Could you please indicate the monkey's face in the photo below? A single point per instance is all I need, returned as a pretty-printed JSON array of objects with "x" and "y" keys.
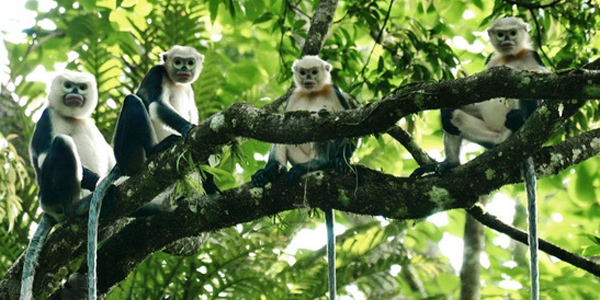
[
  {"x": 308, "y": 78},
  {"x": 311, "y": 73},
  {"x": 184, "y": 68},
  {"x": 506, "y": 41},
  {"x": 75, "y": 93}
]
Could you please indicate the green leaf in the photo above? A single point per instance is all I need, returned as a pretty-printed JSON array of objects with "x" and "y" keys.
[{"x": 263, "y": 18}]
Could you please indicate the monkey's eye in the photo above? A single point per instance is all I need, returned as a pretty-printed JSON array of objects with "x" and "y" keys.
[
  {"x": 177, "y": 63},
  {"x": 314, "y": 72},
  {"x": 68, "y": 85},
  {"x": 500, "y": 34},
  {"x": 83, "y": 87},
  {"x": 302, "y": 72},
  {"x": 191, "y": 62},
  {"x": 513, "y": 33}
]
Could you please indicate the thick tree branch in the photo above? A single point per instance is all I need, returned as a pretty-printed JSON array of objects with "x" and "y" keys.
[{"x": 319, "y": 27}]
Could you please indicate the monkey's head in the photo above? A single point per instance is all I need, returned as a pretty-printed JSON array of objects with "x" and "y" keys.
[
  {"x": 73, "y": 94},
  {"x": 311, "y": 73},
  {"x": 509, "y": 36},
  {"x": 183, "y": 64}
]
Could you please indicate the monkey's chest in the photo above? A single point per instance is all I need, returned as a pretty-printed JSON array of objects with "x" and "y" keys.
[
  {"x": 92, "y": 148},
  {"x": 302, "y": 153},
  {"x": 182, "y": 102}
]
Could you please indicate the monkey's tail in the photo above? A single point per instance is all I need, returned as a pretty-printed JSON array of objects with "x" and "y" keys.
[
  {"x": 94, "y": 216},
  {"x": 33, "y": 251},
  {"x": 329, "y": 220},
  {"x": 530, "y": 183}
]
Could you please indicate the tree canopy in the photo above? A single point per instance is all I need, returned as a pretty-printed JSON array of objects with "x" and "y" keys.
[{"x": 398, "y": 237}]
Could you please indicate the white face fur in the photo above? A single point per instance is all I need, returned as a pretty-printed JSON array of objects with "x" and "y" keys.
[
  {"x": 73, "y": 94},
  {"x": 183, "y": 64},
  {"x": 311, "y": 73},
  {"x": 509, "y": 36}
]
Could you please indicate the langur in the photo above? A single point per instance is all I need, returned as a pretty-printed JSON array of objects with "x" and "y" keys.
[
  {"x": 69, "y": 155},
  {"x": 492, "y": 122},
  {"x": 313, "y": 92},
  {"x": 161, "y": 112}
]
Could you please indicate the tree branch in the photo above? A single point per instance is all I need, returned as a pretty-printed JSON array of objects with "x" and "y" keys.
[
  {"x": 491, "y": 221},
  {"x": 533, "y": 5}
]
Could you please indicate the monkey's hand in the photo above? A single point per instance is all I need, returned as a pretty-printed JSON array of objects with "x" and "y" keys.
[
  {"x": 296, "y": 171},
  {"x": 434, "y": 168},
  {"x": 74, "y": 288},
  {"x": 268, "y": 174},
  {"x": 185, "y": 131}
]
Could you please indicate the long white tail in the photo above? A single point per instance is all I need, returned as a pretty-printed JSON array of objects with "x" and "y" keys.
[{"x": 31, "y": 256}]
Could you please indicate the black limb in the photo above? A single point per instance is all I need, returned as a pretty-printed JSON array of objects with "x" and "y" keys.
[
  {"x": 298, "y": 170},
  {"x": 341, "y": 151},
  {"x": 75, "y": 287},
  {"x": 134, "y": 138},
  {"x": 268, "y": 174},
  {"x": 90, "y": 179},
  {"x": 514, "y": 120},
  {"x": 59, "y": 185},
  {"x": 433, "y": 168},
  {"x": 447, "y": 122},
  {"x": 209, "y": 185},
  {"x": 329, "y": 221},
  {"x": 163, "y": 145}
]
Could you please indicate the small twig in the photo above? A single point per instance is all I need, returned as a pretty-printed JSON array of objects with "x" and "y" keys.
[
  {"x": 538, "y": 29},
  {"x": 377, "y": 41},
  {"x": 411, "y": 146},
  {"x": 532, "y": 5}
]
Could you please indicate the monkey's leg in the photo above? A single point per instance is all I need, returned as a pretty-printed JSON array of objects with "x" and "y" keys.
[
  {"x": 60, "y": 178},
  {"x": 31, "y": 256},
  {"x": 530, "y": 183},
  {"x": 452, "y": 145},
  {"x": 134, "y": 139},
  {"x": 274, "y": 167},
  {"x": 329, "y": 221},
  {"x": 475, "y": 129}
]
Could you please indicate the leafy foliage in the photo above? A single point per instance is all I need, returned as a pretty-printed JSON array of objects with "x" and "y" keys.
[{"x": 375, "y": 46}]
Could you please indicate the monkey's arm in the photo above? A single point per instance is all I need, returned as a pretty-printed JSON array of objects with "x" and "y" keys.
[
  {"x": 151, "y": 92},
  {"x": 41, "y": 140},
  {"x": 273, "y": 167}
]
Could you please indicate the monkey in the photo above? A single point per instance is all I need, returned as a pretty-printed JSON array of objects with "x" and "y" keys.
[
  {"x": 313, "y": 92},
  {"x": 69, "y": 155},
  {"x": 162, "y": 111},
  {"x": 491, "y": 122}
]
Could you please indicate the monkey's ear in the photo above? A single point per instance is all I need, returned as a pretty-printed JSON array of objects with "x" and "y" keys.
[
  {"x": 327, "y": 66},
  {"x": 295, "y": 65},
  {"x": 201, "y": 57},
  {"x": 164, "y": 57}
]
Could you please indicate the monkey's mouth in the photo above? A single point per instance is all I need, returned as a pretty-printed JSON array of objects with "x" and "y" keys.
[
  {"x": 309, "y": 84},
  {"x": 508, "y": 45},
  {"x": 183, "y": 76},
  {"x": 73, "y": 100}
]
